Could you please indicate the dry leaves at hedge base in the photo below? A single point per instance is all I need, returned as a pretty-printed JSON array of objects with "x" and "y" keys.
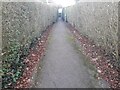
[{"x": 96, "y": 54}]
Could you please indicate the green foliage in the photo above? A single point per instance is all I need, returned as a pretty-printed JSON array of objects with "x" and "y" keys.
[{"x": 12, "y": 65}]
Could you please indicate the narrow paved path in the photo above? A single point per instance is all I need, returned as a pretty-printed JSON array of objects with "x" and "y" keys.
[{"x": 62, "y": 66}]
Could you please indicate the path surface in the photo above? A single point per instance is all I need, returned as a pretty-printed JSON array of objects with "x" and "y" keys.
[{"x": 62, "y": 66}]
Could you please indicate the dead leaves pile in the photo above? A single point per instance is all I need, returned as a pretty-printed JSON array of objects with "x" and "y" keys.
[
  {"x": 105, "y": 68},
  {"x": 31, "y": 61}
]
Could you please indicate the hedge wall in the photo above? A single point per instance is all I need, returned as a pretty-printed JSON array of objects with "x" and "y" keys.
[{"x": 22, "y": 24}]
